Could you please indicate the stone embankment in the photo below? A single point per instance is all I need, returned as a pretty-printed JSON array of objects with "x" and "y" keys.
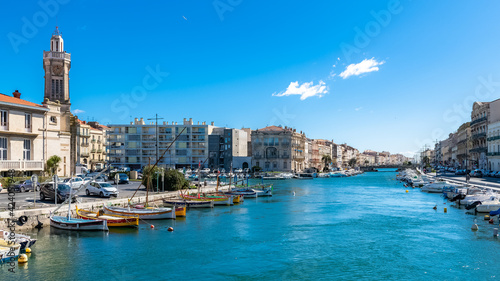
[{"x": 43, "y": 214}]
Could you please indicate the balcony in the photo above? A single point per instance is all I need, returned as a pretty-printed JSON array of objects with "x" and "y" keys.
[
  {"x": 494, "y": 154},
  {"x": 17, "y": 165},
  {"x": 93, "y": 141},
  {"x": 99, "y": 151},
  {"x": 93, "y": 151},
  {"x": 84, "y": 154},
  {"x": 494, "y": 138},
  {"x": 478, "y": 136},
  {"x": 479, "y": 150},
  {"x": 56, "y": 55},
  {"x": 98, "y": 141},
  {"x": 86, "y": 144},
  {"x": 479, "y": 120}
]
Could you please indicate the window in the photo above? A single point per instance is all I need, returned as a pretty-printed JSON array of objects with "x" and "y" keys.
[
  {"x": 53, "y": 119},
  {"x": 3, "y": 117},
  {"x": 27, "y": 150},
  {"x": 284, "y": 165},
  {"x": 27, "y": 121},
  {"x": 3, "y": 148}
]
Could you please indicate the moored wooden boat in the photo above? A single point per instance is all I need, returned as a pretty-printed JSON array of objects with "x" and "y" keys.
[
  {"x": 188, "y": 203},
  {"x": 112, "y": 220},
  {"x": 180, "y": 211},
  {"x": 78, "y": 224},
  {"x": 144, "y": 213},
  {"x": 218, "y": 200},
  {"x": 245, "y": 193}
]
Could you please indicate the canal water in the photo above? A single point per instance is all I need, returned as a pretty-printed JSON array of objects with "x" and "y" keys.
[{"x": 364, "y": 227}]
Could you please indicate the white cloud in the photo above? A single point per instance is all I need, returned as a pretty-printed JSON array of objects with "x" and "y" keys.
[
  {"x": 367, "y": 65},
  {"x": 78, "y": 111},
  {"x": 305, "y": 90},
  {"x": 184, "y": 17},
  {"x": 358, "y": 108}
]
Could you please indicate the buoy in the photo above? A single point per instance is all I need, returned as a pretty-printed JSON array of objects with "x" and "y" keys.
[
  {"x": 435, "y": 207},
  {"x": 407, "y": 191},
  {"x": 495, "y": 232},
  {"x": 152, "y": 226},
  {"x": 491, "y": 221},
  {"x": 23, "y": 258},
  {"x": 445, "y": 210},
  {"x": 294, "y": 193},
  {"x": 170, "y": 229},
  {"x": 474, "y": 227},
  {"x": 28, "y": 250},
  {"x": 486, "y": 217}
]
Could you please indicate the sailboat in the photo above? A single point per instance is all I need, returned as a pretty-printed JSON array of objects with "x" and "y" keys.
[{"x": 69, "y": 223}]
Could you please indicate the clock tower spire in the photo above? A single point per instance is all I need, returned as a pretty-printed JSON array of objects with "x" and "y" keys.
[{"x": 57, "y": 64}]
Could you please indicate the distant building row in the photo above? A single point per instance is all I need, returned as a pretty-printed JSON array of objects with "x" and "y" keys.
[{"x": 475, "y": 144}]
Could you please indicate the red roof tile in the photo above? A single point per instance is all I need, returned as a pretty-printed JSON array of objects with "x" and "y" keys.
[{"x": 11, "y": 99}]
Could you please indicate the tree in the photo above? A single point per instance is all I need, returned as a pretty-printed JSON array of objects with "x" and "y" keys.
[
  {"x": 174, "y": 180},
  {"x": 52, "y": 164},
  {"x": 352, "y": 162},
  {"x": 327, "y": 159}
]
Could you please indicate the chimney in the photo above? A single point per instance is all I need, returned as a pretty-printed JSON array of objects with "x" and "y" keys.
[
  {"x": 175, "y": 123},
  {"x": 131, "y": 123},
  {"x": 212, "y": 123},
  {"x": 203, "y": 123},
  {"x": 164, "y": 123},
  {"x": 16, "y": 94}
]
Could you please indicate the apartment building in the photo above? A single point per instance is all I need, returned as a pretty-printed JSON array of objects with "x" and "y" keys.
[{"x": 139, "y": 143}]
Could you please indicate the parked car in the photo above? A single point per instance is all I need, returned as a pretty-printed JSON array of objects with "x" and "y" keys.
[
  {"x": 123, "y": 178},
  {"x": 25, "y": 186},
  {"x": 63, "y": 192},
  {"x": 496, "y": 174},
  {"x": 476, "y": 173},
  {"x": 103, "y": 189},
  {"x": 1, "y": 187},
  {"x": 460, "y": 172},
  {"x": 101, "y": 178},
  {"x": 74, "y": 182}
]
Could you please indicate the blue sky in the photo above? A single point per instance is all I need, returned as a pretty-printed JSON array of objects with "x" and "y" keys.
[{"x": 380, "y": 75}]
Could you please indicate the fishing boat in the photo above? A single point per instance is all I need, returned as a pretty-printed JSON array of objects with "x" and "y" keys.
[
  {"x": 112, "y": 220},
  {"x": 218, "y": 200},
  {"x": 260, "y": 190},
  {"x": 24, "y": 240},
  {"x": 8, "y": 250},
  {"x": 143, "y": 213},
  {"x": 188, "y": 203},
  {"x": 180, "y": 211},
  {"x": 68, "y": 223},
  {"x": 250, "y": 193}
]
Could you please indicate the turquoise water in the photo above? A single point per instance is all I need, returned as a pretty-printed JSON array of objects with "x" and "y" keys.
[{"x": 364, "y": 227}]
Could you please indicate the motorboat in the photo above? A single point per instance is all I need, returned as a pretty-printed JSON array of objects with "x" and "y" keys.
[
  {"x": 8, "y": 250},
  {"x": 24, "y": 240}
]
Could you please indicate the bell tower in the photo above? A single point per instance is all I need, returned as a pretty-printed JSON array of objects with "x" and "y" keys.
[{"x": 57, "y": 64}]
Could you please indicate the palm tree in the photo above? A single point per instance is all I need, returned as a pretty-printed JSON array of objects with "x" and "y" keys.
[
  {"x": 352, "y": 162},
  {"x": 53, "y": 164},
  {"x": 326, "y": 160}
]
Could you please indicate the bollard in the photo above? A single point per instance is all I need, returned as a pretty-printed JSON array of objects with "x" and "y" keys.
[{"x": 445, "y": 210}]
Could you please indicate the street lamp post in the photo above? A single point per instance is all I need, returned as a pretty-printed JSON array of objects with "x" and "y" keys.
[{"x": 34, "y": 182}]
